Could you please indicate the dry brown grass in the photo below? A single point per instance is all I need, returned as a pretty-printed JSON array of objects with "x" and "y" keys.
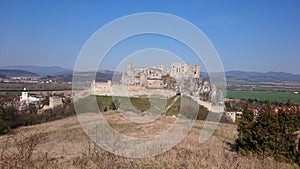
[{"x": 63, "y": 144}]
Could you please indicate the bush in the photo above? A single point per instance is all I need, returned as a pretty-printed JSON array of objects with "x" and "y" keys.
[
  {"x": 203, "y": 113},
  {"x": 270, "y": 133},
  {"x": 114, "y": 105}
]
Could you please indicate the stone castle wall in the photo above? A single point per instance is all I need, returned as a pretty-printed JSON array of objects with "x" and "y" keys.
[
  {"x": 109, "y": 89},
  {"x": 180, "y": 70},
  {"x": 154, "y": 77}
]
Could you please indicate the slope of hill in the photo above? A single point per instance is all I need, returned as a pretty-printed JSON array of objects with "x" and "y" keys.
[
  {"x": 64, "y": 144},
  {"x": 17, "y": 73},
  {"x": 40, "y": 70}
]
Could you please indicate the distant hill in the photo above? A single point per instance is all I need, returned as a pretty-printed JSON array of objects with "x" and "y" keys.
[
  {"x": 101, "y": 76},
  {"x": 2, "y": 75},
  {"x": 257, "y": 77},
  {"x": 233, "y": 77},
  {"x": 66, "y": 75},
  {"x": 107, "y": 72},
  {"x": 243, "y": 77},
  {"x": 40, "y": 70},
  {"x": 17, "y": 73}
]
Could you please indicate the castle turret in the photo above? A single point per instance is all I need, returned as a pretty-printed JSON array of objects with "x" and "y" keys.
[{"x": 129, "y": 70}]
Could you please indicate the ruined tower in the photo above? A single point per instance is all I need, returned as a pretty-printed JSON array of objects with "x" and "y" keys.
[
  {"x": 129, "y": 69},
  {"x": 181, "y": 70}
]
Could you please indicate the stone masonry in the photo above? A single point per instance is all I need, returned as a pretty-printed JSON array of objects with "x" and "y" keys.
[{"x": 156, "y": 77}]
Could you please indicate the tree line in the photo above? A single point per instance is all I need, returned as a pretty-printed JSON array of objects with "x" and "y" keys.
[{"x": 11, "y": 117}]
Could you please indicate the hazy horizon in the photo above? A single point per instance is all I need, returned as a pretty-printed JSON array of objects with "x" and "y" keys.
[{"x": 124, "y": 71}]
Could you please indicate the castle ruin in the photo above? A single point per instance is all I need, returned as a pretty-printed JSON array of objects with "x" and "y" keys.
[
  {"x": 157, "y": 76},
  {"x": 157, "y": 80}
]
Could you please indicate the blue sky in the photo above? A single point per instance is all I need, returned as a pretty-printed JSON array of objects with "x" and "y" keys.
[{"x": 248, "y": 35}]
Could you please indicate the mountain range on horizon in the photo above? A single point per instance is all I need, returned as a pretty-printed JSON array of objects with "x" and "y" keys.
[
  {"x": 243, "y": 77},
  {"x": 39, "y": 70}
]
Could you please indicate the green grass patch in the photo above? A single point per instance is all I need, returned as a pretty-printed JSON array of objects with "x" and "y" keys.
[
  {"x": 171, "y": 106},
  {"x": 170, "y": 100},
  {"x": 175, "y": 108},
  {"x": 141, "y": 104},
  {"x": 10, "y": 93}
]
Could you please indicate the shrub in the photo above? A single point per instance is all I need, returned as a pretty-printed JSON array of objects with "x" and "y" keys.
[
  {"x": 114, "y": 105},
  {"x": 270, "y": 133}
]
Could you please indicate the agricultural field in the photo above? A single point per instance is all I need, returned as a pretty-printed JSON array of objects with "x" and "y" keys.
[
  {"x": 272, "y": 96},
  {"x": 6, "y": 87}
]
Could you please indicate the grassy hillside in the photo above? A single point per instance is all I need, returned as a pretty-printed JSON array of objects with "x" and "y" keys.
[
  {"x": 63, "y": 144},
  {"x": 169, "y": 106},
  {"x": 141, "y": 104}
]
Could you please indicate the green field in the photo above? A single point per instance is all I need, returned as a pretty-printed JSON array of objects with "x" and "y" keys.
[
  {"x": 141, "y": 104},
  {"x": 272, "y": 96}
]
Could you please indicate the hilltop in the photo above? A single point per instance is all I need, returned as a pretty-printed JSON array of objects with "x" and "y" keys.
[
  {"x": 16, "y": 73},
  {"x": 258, "y": 77},
  {"x": 245, "y": 77}
]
